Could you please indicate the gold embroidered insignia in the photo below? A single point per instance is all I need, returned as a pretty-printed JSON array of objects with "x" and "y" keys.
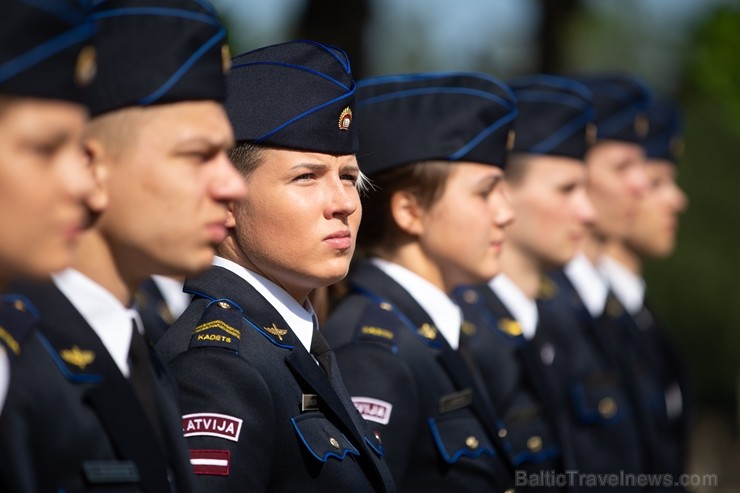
[
  {"x": 345, "y": 119},
  {"x": 510, "y": 140},
  {"x": 427, "y": 331},
  {"x": 510, "y": 327},
  {"x": 591, "y": 133},
  {"x": 377, "y": 331},
  {"x": 87, "y": 66},
  {"x": 642, "y": 125},
  {"x": 218, "y": 324},
  {"x": 547, "y": 289},
  {"x": 225, "y": 59},
  {"x": 468, "y": 328},
  {"x": 279, "y": 333},
  {"x": 10, "y": 341},
  {"x": 77, "y": 357}
]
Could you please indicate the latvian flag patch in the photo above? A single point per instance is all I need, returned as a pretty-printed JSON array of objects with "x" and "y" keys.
[{"x": 210, "y": 462}]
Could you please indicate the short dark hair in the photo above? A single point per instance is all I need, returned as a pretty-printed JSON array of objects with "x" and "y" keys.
[
  {"x": 379, "y": 232},
  {"x": 246, "y": 157}
]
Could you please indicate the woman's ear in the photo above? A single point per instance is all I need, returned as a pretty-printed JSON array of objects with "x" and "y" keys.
[{"x": 407, "y": 212}]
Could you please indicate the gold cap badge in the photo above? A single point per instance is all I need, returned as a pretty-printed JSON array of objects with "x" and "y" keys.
[
  {"x": 591, "y": 133},
  {"x": 225, "y": 59},
  {"x": 511, "y": 140},
  {"x": 642, "y": 125},
  {"x": 345, "y": 119},
  {"x": 87, "y": 66}
]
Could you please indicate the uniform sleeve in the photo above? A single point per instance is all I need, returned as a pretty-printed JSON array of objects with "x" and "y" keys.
[
  {"x": 384, "y": 392},
  {"x": 227, "y": 420}
]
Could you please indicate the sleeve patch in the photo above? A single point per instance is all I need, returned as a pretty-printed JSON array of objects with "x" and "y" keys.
[
  {"x": 210, "y": 462},
  {"x": 373, "y": 409},
  {"x": 212, "y": 424}
]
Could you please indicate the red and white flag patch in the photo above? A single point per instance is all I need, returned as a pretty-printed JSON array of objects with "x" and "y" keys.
[
  {"x": 210, "y": 462},
  {"x": 212, "y": 424},
  {"x": 373, "y": 409}
]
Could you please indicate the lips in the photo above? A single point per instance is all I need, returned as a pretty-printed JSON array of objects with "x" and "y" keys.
[
  {"x": 217, "y": 232},
  {"x": 340, "y": 240}
]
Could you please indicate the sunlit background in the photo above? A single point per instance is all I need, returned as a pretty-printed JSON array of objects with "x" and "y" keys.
[{"x": 687, "y": 49}]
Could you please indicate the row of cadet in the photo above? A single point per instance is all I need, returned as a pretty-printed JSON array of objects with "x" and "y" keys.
[{"x": 489, "y": 333}]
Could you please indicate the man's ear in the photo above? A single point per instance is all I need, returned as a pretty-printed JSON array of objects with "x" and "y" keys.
[
  {"x": 97, "y": 199},
  {"x": 407, "y": 212},
  {"x": 230, "y": 215}
]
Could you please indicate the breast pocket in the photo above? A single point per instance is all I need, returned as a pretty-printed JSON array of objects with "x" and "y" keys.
[
  {"x": 599, "y": 399},
  {"x": 460, "y": 435},
  {"x": 321, "y": 438}
]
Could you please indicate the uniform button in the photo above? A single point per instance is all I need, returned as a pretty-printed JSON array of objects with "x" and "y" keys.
[
  {"x": 386, "y": 306},
  {"x": 510, "y": 490},
  {"x": 471, "y": 442},
  {"x": 470, "y": 296},
  {"x": 502, "y": 433},
  {"x": 224, "y": 305},
  {"x": 547, "y": 354},
  {"x": 607, "y": 407},
  {"x": 334, "y": 443},
  {"x": 534, "y": 443},
  {"x": 377, "y": 437},
  {"x": 18, "y": 304}
]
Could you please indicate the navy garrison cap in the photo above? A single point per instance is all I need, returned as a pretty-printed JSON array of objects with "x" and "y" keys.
[
  {"x": 297, "y": 95},
  {"x": 556, "y": 116},
  {"x": 46, "y": 49},
  {"x": 157, "y": 52},
  {"x": 621, "y": 104},
  {"x": 435, "y": 116},
  {"x": 665, "y": 138}
]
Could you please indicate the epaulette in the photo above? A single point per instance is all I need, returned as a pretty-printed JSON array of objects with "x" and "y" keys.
[
  {"x": 218, "y": 326},
  {"x": 385, "y": 324},
  {"x": 18, "y": 318}
]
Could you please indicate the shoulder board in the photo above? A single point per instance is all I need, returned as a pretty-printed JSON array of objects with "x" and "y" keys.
[
  {"x": 18, "y": 318},
  {"x": 379, "y": 326},
  {"x": 218, "y": 326}
]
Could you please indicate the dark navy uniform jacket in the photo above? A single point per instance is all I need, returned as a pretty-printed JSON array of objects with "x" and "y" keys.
[
  {"x": 73, "y": 423},
  {"x": 518, "y": 384},
  {"x": 439, "y": 432},
  {"x": 660, "y": 374},
  {"x": 259, "y": 413},
  {"x": 607, "y": 431},
  {"x": 18, "y": 319}
]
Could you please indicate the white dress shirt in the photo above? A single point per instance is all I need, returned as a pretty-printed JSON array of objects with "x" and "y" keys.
[
  {"x": 590, "y": 284},
  {"x": 4, "y": 376},
  {"x": 522, "y": 308},
  {"x": 300, "y": 318},
  {"x": 107, "y": 316},
  {"x": 445, "y": 314},
  {"x": 177, "y": 300},
  {"x": 628, "y": 287}
]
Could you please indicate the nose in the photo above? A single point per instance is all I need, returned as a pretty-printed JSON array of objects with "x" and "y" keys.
[
  {"x": 76, "y": 176},
  {"x": 584, "y": 208},
  {"x": 228, "y": 183},
  {"x": 343, "y": 199},
  {"x": 503, "y": 212},
  {"x": 680, "y": 200}
]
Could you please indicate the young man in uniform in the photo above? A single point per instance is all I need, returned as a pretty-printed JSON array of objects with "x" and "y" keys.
[
  {"x": 44, "y": 178},
  {"x": 657, "y": 365},
  {"x": 91, "y": 408}
]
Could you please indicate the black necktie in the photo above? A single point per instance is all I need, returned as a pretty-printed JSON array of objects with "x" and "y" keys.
[
  {"x": 320, "y": 350},
  {"x": 142, "y": 379}
]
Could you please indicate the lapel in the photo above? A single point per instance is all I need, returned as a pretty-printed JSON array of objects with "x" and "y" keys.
[
  {"x": 260, "y": 315},
  {"x": 72, "y": 343}
]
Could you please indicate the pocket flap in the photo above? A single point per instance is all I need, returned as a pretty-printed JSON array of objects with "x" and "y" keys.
[
  {"x": 460, "y": 436},
  {"x": 322, "y": 439}
]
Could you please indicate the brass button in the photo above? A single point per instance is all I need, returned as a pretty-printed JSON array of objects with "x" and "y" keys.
[
  {"x": 534, "y": 443},
  {"x": 377, "y": 437},
  {"x": 224, "y": 305},
  {"x": 502, "y": 433},
  {"x": 471, "y": 442},
  {"x": 510, "y": 490},
  {"x": 470, "y": 296},
  {"x": 607, "y": 407},
  {"x": 18, "y": 304},
  {"x": 386, "y": 306},
  {"x": 334, "y": 443}
]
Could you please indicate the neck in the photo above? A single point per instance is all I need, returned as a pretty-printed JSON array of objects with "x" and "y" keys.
[
  {"x": 413, "y": 258},
  {"x": 628, "y": 258},
  {"x": 94, "y": 258},
  {"x": 593, "y": 247},
  {"x": 522, "y": 269}
]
